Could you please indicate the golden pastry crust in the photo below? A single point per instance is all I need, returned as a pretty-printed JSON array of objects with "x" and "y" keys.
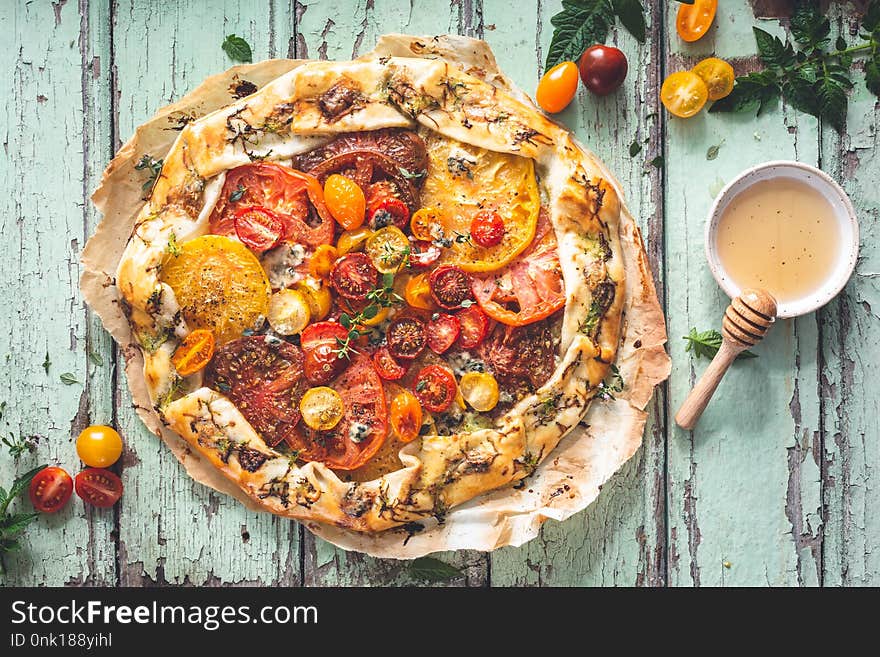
[{"x": 296, "y": 112}]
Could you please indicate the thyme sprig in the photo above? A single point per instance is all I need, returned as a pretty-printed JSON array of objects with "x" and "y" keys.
[{"x": 382, "y": 296}]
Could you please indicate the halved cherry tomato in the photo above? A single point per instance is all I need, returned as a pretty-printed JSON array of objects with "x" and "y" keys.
[
  {"x": 694, "y": 20},
  {"x": 406, "y": 337},
  {"x": 289, "y": 312},
  {"x": 718, "y": 76},
  {"x": 487, "y": 228},
  {"x": 320, "y": 345},
  {"x": 322, "y": 333},
  {"x": 435, "y": 388},
  {"x": 321, "y": 262},
  {"x": 388, "y": 249},
  {"x": 354, "y": 276},
  {"x": 557, "y": 87},
  {"x": 450, "y": 287},
  {"x": 474, "y": 327},
  {"x": 443, "y": 331},
  {"x": 422, "y": 223},
  {"x": 99, "y": 446},
  {"x": 317, "y": 295},
  {"x": 321, "y": 408},
  {"x": 98, "y": 487},
  {"x": 345, "y": 200},
  {"x": 384, "y": 208},
  {"x": 423, "y": 253},
  {"x": 191, "y": 355},
  {"x": 388, "y": 367},
  {"x": 286, "y": 192},
  {"x": 684, "y": 93},
  {"x": 50, "y": 489},
  {"x": 418, "y": 292},
  {"x": 258, "y": 228},
  {"x": 353, "y": 240},
  {"x": 480, "y": 390},
  {"x": 406, "y": 416},
  {"x": 603, "y": 69}
]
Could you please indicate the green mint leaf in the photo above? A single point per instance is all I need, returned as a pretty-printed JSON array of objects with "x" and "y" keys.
[
  {"x": 808, "y": 27},
  {"x": 635, "y": 148},
  {"x": 68, "y": 379},
  {"x": 430, "y": 569},
  {"x": 47, "y": 363},
  {"x": 237, "y": 48},
  {"x": 774, "y": 53},
  {"x": 632, "y": 17},
  {"x": 580, "y": 24}
]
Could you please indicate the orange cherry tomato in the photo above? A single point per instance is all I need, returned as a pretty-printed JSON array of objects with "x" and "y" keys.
[
  {"x": 321, "y": 262},
  {"x": 693, "y": 21},
  {"x": 418, "y": 292},
  {"x": 345, "y": 200},
  {"x": 406, "y": 416},
  {"x": 557, "y": 87},
  {"x": 684, "y": 93},
  {"x": 718, "y": 76},
  {"x": 194, "y": 352}
]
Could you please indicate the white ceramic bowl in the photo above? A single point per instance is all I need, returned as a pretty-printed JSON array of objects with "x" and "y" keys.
[{"x": 843, "y": 212}]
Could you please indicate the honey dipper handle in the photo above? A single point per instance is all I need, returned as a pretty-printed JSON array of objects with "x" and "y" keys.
[{"x": 696, "y": 403}]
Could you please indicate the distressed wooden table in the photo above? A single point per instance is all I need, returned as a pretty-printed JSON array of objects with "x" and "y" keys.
[{"x": 777, "y": 485}]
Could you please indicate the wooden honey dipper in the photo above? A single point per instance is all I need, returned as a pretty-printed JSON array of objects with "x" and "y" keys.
[{"x": 746, "y": 321}]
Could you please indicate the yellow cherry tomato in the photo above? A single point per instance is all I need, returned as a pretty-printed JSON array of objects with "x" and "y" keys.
[
  {"x": 694, "y": 20},
  {"x": 424, "y": 222},
  {"x": 480, "y": 390},
  {"x": 557, "y": 87},
  {"x": 388, "y": 248},
  {"x": 684, "y": 93},
  {"x": 196, "y": 350},
  {"x": 406, "y": 416},
  {"x": 99, "y": 446},
  {"x": 322, "y": 261},
  {"x": 345, "y": 200},
  {"x": 318, "y": 297},
  {"x": 352, "y": 240},
  {"x": 321, "y": 408},
  {"x": 718, "y": 76},
  {"x": 289, "y": 312},
  {"x": 418, "y": 292}
]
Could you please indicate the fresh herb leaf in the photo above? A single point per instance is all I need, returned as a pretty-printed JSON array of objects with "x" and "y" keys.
[
  {"x": 753, "y": 91},
  {"x": 580, "y": 24},
  {"x": 412, "y": 175},
  {"x": 657, "y": 161},
  {"x": 430, "y": 569},
  {"x": 706, "y": 344},
  {"x": 151, "y": 165},
  {"x": 237, "y": 193},
  {"x": 47, "y": 363},
  {"x": 635, "y": 148},
  {"x": 712, "y": 153},
  {"x": 12, "y": 525},
  {"x": 774, "y": 53},
  {"x": 68, "y": 379},
  {"x": 173, "y": 248},
  {"x": 20, "y": 444},
  {"x": 237, "y": 48},
  {"x": 632, "y": 17},
  {"x": 96, "y": 358},
  {"x": 612, "y": 384},
  {"x": 809, "y": 28}
]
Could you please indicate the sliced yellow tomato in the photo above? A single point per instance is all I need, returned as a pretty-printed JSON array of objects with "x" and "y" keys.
[
  {"x": 193, "y": 353},
  {"x": 321, "y": 408},
  {"x": 387, "y": 249},
  {"x": 464, "y": 180},
  {"x": 418, "y": 292},
  {"x": 718, "y": 76},
  {"x": 219, "y": 284},
  {"x": 352, "y": 240},
  {"x": 684, "y": 93},
  {"x": 322, "y": 261},
  {"x": 318, "y": 296},
  {"x": 423, "y": 222},
  {"x": 289, "y": 312},
  {"x": 480, "y": 390}
]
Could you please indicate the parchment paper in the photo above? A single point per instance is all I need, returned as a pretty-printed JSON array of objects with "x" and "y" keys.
[{"x": 566, "y": 482}]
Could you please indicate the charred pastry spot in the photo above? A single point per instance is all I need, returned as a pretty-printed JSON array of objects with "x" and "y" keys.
[
  {"x": 251, "y": 459},
  {"x": 241, "y": 88},
  {"x": 355, "y": 503},
  {"x": 530, "y": 136},
  {"x": 340, "y": 99},
  {"x": 411, "y": 529},
  {"x": 603, "y": 294},
  {"x": 279, "y": 119}
]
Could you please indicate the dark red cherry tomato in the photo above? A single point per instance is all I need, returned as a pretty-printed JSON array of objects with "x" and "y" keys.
[
  {"x": 487, "y": 228},
  {"x": 354, "y": 276},
  {"x": 406, "y": 337},
  {"x": 435, "y": 388},
  {"x": 603, "y": 69},
  {"x": 388, "y": 367},
  {"x": 450, "y": 286}
]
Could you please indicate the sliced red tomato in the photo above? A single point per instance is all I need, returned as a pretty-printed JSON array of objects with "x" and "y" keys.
[
  {"x": 406, "y": 337},
  {"x": 354, "y": 275},
  {"x": 435, "y": 388},
  {"x": 534, "y": 283},
  {"x": 384, "y": 207},
  {"x": 290, "y": 194},
  {"x": 423, "y": 253},
  {"x": 450, "y": 286},
  {"x": 388, "y": 367},
  {"x": 257, "y": 227},
  {"x": 443, "y": 331},
  {"x": 50, "y": 489},
  {"x": 98, "y": 487},
  {"x": 264, "y": 379},
  {"x": 320, "y": 344},
  {"x": 487, "y": 228},
  {"x": 363, "y": 428},
  {"x": 474, "y": 327},
  {"x": 322, "y": 333}
]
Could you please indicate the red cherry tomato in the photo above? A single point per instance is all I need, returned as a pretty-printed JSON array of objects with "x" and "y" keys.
[
  {"x": 258, "y": 228},
  {"x": 388, "y": 367},
  {"x": 98, "y": 487},
  {"x": 474, "y": 326},
  {"x": 487, "y": 228},
  {"x": 603, "y": 69},
  {"x": 354, "y": 276},
  {"x": 50, "y": 489},
  {"x": 450, "y": 287},
  {"x": 384, "y": 208},
  {"x": 443, "y": 331},
  {"x": 323, "y": 364},
  {"x": 435, "y": 388},
  {"x": 423, "y": 253},
  {"x": 406, "y": 337},
  {"x": 557, "y": 87}
]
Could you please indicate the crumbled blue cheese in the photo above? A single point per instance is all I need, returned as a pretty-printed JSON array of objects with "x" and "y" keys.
[
  {"x": 281, "y": 264},
  {"x": 358, "y": 432},
  {"x": 465, "y": 361}
]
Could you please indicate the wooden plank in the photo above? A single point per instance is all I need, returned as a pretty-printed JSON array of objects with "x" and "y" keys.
[
  {"x": 850, "y": 335},
  {"x": 620, "y": 539},
  {"x": 323, "y": 32},
  {"x": 54, "y": 129},
  {"x": 744, "y": 488},
  {"x": 173, "y": 530}
]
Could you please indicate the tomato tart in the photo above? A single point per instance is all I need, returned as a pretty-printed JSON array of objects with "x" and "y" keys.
[{"x": 372, "y": 291}]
